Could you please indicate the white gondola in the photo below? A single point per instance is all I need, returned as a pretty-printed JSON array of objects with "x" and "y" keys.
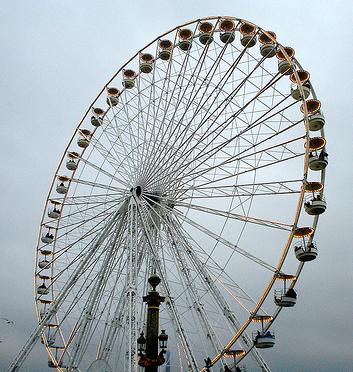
[
  {"x": 268, "y": 50},
  {"x": 47, "y": 238},
  {"x": 54, "y": 213},
  {"x": 44, "y": 264},
  {"x": 42, "y": 290},
  {"x": 129, "y": 77},
  {"x": 185, "y": 39},
  {"x": 248, "y": 37},
  {"x": 112, "y": 101},
  {"x": 206, "y": 29},
  {"x": 54, "y": 210},
  {"x": 166, "y": 47},
  {"x": 72, "y": 162},
  {"x": 298, "y": 78},
  {"x": 316, "y": 121},
  {"x": 264, "y": 340},
  {"x": 97, "y": 113},
  {"x": 285, "y": 67},
  {"x": 227, "y": 28},
  {"x": 45, "y": 251},
  {"x": 305, "y": 253},
  {"x": 315, "y": 205},
  {"x": 295, "y": 91},
  {"x": 84, "y": 138},
  {"x": 146, "y": 63},
  {"x": 268, "y": 46},
  {"x": 62, "y": 187},
  {"x": 285, "y": 298},
  {"x": 318, "y": 162}
]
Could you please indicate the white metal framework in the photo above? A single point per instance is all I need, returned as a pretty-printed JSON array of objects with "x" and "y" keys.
[{"x": 192, "y": 162}]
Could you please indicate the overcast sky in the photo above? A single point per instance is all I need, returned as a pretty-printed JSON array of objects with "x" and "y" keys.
[{"x": 56, "y": 56}]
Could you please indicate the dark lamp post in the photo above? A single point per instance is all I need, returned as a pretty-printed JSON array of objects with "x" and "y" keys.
[
  {"x": 150, "y": 357},
  {"x": 141, "y": 341}
]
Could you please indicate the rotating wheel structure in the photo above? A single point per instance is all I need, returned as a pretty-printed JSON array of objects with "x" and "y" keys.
[{"x": 192, "y": 163}]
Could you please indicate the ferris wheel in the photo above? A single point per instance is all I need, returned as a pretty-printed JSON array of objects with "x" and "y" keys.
[{"x": 202, "y": 160}]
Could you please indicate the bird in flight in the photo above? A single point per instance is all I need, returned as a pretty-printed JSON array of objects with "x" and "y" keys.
[{"x": 8, "y": 321}]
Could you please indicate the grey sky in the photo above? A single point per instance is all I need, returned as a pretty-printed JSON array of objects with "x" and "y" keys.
[{"x": 56, "y": 56}]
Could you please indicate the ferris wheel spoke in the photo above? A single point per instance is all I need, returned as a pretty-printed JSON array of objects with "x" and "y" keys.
[
  {"x": 74, "y": 225},
  {"x": 248, "y": 126},
  {"x": 257, "y": 123},
  {"x": 206, "y": 267},
  {"x": 206, "y": 118},
  {"x": 94, "y": 298},
  {"x": 150, "y": 115},
  {"x": 248, "y": 219},
  {"x": 169, "y": 131},
  {"x": 235, "y": 189},
  {"x": 52, "y": 311},
  {"x": 171, "y": 307},
  {"x": 84, "y": 210},
  {"x": 190, "y": 243},
  {"x": 111, "y": 159},
  {"x": 113, "y": 145},
  {"x": 229, "y": 315},
  {"x": 197, "y": 303},
  {"x": 88, "y": 198},
  {"x": 210, "y": 73},
  {"x": 105, "y": 172},
  {"x": 190, "y": 101},
  {"x": 119, "y": 132},
  {"x": 227, "y": 243},
  {"x": 78, "y": 258},
  {"x": 173, "y": 225},
  {"x": 263, "y": 73},
  {"x": 253, "y": 169},
  {"x": 245, "y": 161},
  {"x": 96, "y": 185},
  {"x": 98, "y": 310},
  {"x": 61, "y": 251},
  {"x": 132, "y": 138},
  {"x": 217, "y": 147},
  {"x": 89, "y": 281},
  {"x": 163, "y": 174},
  {"x": 117, "y": 319},
  {"x": 79, "y": 220}
]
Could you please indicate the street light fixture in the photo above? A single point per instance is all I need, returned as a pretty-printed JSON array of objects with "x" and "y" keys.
[
  {"x": 141, "y": 341},
  {"x": 163, "y": 339}
]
